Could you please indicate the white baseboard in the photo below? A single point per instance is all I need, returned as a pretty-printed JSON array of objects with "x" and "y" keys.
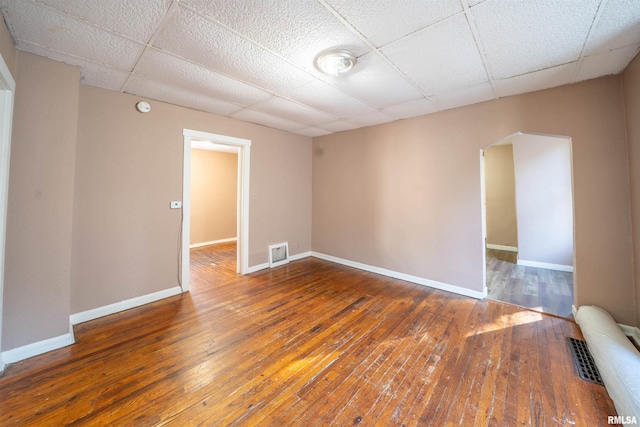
[
  {"x": 402, "y": 276},
  {"x": 502, "y": 247},
  {"x": 213, "y": 242},
  {"x": 536, "y": 264},
  {"x": 266, "y": 264},
  {"x": 257, "y": 268},
  {"x": 37, "y": 348},
  {"x": 299, "y": 256},
  {"x": 85, "y": 316}
]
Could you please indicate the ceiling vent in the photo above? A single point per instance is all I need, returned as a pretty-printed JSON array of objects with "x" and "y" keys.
[{"x": 278, "y": 254}]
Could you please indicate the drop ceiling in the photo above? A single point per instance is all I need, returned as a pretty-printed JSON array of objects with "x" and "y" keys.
[{"x": 253, "y": 59}]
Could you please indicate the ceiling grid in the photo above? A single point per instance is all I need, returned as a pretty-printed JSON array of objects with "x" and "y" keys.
[{"x": 253, "y": 59}]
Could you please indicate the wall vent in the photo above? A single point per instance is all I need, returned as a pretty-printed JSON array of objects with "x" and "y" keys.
[{"x": 278, "y": 254}]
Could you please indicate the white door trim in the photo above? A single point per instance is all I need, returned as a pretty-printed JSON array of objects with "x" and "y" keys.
[
  {"x": 7, "y": 89},
  {"x": 244, "y": 156}
]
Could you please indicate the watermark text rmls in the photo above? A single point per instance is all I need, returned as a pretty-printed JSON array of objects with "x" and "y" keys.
[{"x": 622, "y": 419}]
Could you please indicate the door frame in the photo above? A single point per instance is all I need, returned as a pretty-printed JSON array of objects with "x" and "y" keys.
[
  {"x": 7, "y": 89},
  {"x": 244, "y": 156},
  {"x": 483, "y": 202}
]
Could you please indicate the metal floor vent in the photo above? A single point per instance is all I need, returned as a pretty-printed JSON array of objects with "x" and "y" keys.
[
  {"x": 586, "y": 367},
  {"x": 278, "y": 254}
]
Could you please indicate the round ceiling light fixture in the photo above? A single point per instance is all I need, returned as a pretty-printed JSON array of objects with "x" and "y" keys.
[{"x": 335, "y": 61}]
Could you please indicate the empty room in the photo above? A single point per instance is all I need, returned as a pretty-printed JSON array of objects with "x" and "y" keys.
[{"x": 319, "y": 212}]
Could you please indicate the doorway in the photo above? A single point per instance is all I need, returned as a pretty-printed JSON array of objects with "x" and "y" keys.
[
  {"x": 528, "y": 222},
  {"x": 243, "y": 147}
]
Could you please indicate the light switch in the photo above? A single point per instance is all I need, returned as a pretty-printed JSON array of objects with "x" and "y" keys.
[{"x": 176, "y": 204}]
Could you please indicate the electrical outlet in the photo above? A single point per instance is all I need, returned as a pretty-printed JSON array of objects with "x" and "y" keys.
[{"x": 176, "y": 204}]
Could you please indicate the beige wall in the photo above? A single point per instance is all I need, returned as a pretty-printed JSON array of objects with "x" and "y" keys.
[
  {"x": 129, "y": 167},
  {"x": 631, "y": 84},
  {"x": 214, "y": 196},
  {"x": 500, "y": 196},
  {"x": 40, "y": 208},
  {"x": 544, "y": 203},
  {"x": 406, "y": 195}
]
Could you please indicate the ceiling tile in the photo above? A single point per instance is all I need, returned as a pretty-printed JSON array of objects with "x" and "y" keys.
[
  {"x": 467, "y": 96},
  {"x": 339, "y": 126},
  {"x": 312, "y": 132},
  {"x": 371, "y": 73},
  {"x": 326, "y": 98},
  {"x": 301, "y": 113},
  {"x": 160, "y": 66},
  {"x": 102, "y": 76},
  {"x": 116, "y": 15},
  {"x": 371, "y": 119},
  {"x": 51, "y": 30},
  {"x": 269, "y": 120},
  {"x": 609, "y": 62},
  {"x": 161, "y": 91},
  {"x": 200, "y": 40},
  {"x": 520, "y": 36},
  {"x": 543, "y": 79},
  {"x": 618, "y": 26},
  {"x": 411, "y": 109},
  {"x": 441, "y": 58},
  {"x": 280, "y": 25},
  {"x": 91, "y": 73},
  {"x": 383, "y": 21}
]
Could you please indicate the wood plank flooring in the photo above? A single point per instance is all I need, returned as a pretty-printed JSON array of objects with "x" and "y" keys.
[
  {"x": 309, "y": 343},
  {"x": 540, "y": 289}
]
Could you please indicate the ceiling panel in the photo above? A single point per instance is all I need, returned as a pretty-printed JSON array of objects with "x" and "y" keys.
[
  {"x": 523, "y": 36},
  {"x": 161, "y": 66},
  {"x": 606, "y": 63},
  {"x": 324, "y": 97},
  {"x": 339, "y": 126},
  {"x": 259, "y": 117},
  {"x": 313, "y": 132},
  {"x": 383, "y": 21},
  {"x": 97, "y": 74},
  {"x": 193, "y": 37},
  {"x": 284, "y": 108},
  {"x": 178, "y": 96},
  {"x": 440, "y": 58},
  {"x": 44, "y": 27},
  {"x": 370, "y": 73},
  {"x": 471, "y": 95},
  {"x": 618, "y": 26},
  {"x": 370, "y": 119},
  {"x": 280, "y": 25},
  {"x": 116, "y": 15},
  {"x": 538, "y": 80},
  {"x": 411, "y": 109}
]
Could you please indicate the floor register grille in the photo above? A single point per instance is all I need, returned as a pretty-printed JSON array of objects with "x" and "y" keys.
[{"x": 582, "y": 359}]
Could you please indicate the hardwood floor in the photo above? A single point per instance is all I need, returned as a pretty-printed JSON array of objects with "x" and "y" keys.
[
  {"x": 309, "y": 343},
  {"x": 540, "y": 289}
]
